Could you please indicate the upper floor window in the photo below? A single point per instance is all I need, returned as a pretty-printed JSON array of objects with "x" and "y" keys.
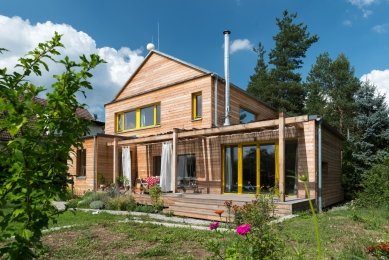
[
  {"x": 246, "y": 116},
  {"x": 142, "y": 117},
  {"x": 197, "y": 105}
]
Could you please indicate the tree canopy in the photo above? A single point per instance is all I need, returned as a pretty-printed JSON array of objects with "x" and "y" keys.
[
  {"x": 281, "y": 86},
  {"x": 331, "y": 86},
  {"x": 33, "y": 163}
]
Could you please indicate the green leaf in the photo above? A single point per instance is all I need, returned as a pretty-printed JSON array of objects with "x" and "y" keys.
[
  {"x": 19, "y": 156},
  {"x": 26, "y": 234}
]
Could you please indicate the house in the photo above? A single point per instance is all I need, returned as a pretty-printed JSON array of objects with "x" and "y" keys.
[{"x": 169, "y": 101}]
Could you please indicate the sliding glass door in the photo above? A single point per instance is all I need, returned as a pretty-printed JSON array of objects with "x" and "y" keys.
[{"x": 248, "y": 167}]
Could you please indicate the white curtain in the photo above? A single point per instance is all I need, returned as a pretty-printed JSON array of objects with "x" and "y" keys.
[
  {"x": 166, "y": 167},
  {"x": 228, "y": 170},
  {"x": 126, "y": 162}
]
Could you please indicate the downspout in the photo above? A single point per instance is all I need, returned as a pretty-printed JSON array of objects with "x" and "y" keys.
[
  {"x": 94, "y": 163},
  {"x": 319, "y": 162},
  {"x": 227, "y": 74},
  {"x": 216, "y": 81}
]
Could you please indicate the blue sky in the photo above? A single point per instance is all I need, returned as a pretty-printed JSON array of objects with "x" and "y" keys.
[{"x": 193, "y": 31}]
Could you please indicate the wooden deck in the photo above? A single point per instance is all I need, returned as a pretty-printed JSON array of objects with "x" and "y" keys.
[{"x": 203, "y": 206}]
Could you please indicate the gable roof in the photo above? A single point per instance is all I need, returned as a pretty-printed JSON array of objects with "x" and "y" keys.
[
  {"x": 203, "y": 71},
  {"x": 154, "y": 52}
]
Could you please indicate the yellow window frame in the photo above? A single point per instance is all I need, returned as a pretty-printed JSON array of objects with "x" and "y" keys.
[
  {"x": 258, "y": 168},
  {"x": 137, "y": 119},
  {"x": 194, "y": 102}
]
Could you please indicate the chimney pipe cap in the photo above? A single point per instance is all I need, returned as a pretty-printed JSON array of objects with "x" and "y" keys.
[{"x": 226, "y": 32}]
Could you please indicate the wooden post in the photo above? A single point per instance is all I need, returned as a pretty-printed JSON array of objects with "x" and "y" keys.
[
  {"x": 115, "y": 159},
  {"x": 281, "y": 155},
  {"x": 175, "y": 159}
]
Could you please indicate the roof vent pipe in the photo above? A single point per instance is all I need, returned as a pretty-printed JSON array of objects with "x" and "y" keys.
[{"x": 227, "y": 74}]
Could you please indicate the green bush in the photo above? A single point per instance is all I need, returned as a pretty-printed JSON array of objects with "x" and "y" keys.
[
  {"x": 121, "y": 203},
  {"x": 155, "y": 194},
  {"x": 375, "y": 186},
  {"x": 97, "y": 204},
  {"x": 145, "y": 209},
  {"x": 72, "y": 203}
]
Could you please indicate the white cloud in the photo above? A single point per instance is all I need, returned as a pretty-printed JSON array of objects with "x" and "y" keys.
[
  {"x": 361, "y": 3},
  {"x": 347, "y": 23},
  {"x": 366, "y": 13},
  {"x": 239, "y": 44},
  {"x": 20, "y": 36},
  {"x": 380, "y": 28},
  {"x": 380, "y": 79}
]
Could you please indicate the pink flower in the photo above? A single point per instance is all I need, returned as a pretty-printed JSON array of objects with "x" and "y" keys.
[
  {"x": 213, "y": 226},
  {"x": 243, "y": 229}
]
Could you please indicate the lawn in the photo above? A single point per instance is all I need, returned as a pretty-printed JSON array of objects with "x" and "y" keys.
[{"x": 345, "y": 233}]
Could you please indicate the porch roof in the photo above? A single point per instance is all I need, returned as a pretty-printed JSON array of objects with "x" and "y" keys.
[{"x": 214, "y": 131}]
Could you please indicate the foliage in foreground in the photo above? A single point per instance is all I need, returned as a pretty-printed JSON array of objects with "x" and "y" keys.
[
  {"x": 33, "y": 165},
  {"x": 256, "y": 237}
]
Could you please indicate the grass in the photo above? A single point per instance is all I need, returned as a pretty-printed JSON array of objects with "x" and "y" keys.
[{"x": 345, "y": 233}]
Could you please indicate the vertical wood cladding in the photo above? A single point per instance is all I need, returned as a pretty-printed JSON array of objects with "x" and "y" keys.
[{"x": 332, "y": 148}]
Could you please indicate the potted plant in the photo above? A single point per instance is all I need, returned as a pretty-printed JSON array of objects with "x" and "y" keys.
[
  {"x": 142, "y": 189},
  {"x": 101, "y": 180},
  {"x": 119, "y": 181},
  {"x": 126, "y": 183}
]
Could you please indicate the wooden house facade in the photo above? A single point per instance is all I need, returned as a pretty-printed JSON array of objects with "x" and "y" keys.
[{"x": 169, "y": 100}]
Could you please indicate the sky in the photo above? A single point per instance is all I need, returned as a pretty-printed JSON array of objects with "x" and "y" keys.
[{"x": 192, "y": 31}]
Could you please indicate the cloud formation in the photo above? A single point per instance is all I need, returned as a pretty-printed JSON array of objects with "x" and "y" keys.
[
  {"x": 239, "y": 44},
  {"x": 366, "y": 13},
  {"x": 380, "y": 28},
  {"x": 347, "y": 23},
  {"x": 380, "y": 79},
  {"x": 362, "y": 3},
  {"x": 20, "y": 36}
]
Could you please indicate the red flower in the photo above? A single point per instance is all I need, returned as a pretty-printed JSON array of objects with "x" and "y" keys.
[{"x": 219, "y": 212}]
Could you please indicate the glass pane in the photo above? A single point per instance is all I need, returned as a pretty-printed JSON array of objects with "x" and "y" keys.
[
  {"x": 249, "y": 169},
  {"x": 147, "y": 116},
  {"x": 199, "y": 109},
  {"x": 268, "y": 167},
  {"x": 158, "y": 114},
  {"x": 291, "y": 167},
  {"x": 246, "y": 116},
  {"x": 130, "y": 120},
  {"x": 231, "y": 169},
  {"x": 120, "y": 121},
  {"x": 186, "y": 176},
  {"x": 157, "y": 165}
]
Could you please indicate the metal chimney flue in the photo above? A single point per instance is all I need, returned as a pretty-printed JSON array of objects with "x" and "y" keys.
[{"x": 227, "y": 74}]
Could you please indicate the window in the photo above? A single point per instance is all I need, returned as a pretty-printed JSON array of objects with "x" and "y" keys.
[
  {"x": 246, "y": 116},
  {"x": 197, "y": 105},
  {"x": 81, "y": 163},
  {"x": 186, "y": 176},
  {"x": 139, "y": 118}
]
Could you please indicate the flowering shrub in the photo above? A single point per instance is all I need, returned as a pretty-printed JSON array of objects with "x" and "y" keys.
[
  {"x": 380, "y": 251},
  {"x": 151, "y": 180},
  {"x": 257, "y": 238},
  {"x": 243, "y": 229}
]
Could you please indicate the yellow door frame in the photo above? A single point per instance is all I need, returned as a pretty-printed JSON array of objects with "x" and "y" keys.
[{"x": 258, "y": 167}]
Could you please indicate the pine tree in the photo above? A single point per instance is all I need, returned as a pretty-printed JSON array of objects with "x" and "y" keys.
[
  {"x": 331, "y": 86},
  {"x": 372, "y": 122},
  {"x": 281, "y": 86}
]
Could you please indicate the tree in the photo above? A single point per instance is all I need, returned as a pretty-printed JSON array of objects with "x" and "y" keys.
[
  {"x": 281, "y": 86},
  {"x": 33, "y": 165},
  {"x": 331, "y": 86},
  {"x": 367, "y": 146},
  {"x": 372, "y": 123}
]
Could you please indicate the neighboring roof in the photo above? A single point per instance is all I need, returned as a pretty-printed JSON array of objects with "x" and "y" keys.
[
  {"x": 80, "y": 112},
  {"x": 206, "y": 72}
]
